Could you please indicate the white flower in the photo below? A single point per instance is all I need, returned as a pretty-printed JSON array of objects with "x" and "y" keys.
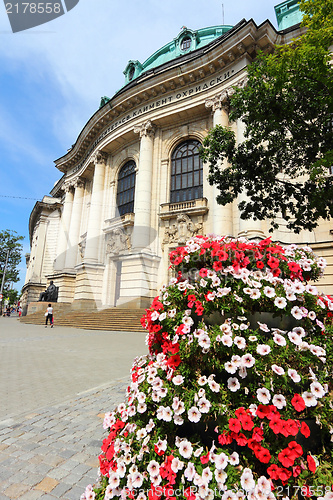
[
  {"x": 263, "y": 349},
  {"x": 137, "y": 480},
  {"x": 297, "y": 312},
  {"x": 279, "y": 401},
  {"x": 225, "y": 328},
  {"x": 233, "y": 384},
  {"x": 255, "y": 294},
  {"x": 269, "y": 291},
  {"x": 202, "y": 380},
  {"x": 247, "y": 481},
  {"x": 194, "y": 414},
  {"x": 190, "y": 471},
  {"x": 263, "y": 327},
  {"x": 312, "y": 315},
  {"x": 214, "y": 386},
  {"x": 309, "y": 399},
  {"x": 221, "y": 461},
  {"x": 278, "y": 370},
  {"x": 140, "y": 434},
  {"x": 230, "y": 367},
  {"x": 279, "y": 340},
  {"x": 295, "y": 339},
  {"x": 226, "y": 340},
  {"x": 178, "y": 420},
  {"x": 252, "y": 338},
  {"x": 311, "y": 289},
  {"x": 141, "y": 408},
  {"x": 178, "y": 380},
  {"x": 248, "y": 360},
  {"x": 185, "y": 449},
  {"x": 114, "y": 480},
  {"x": 204, "y": 405},
  {"x": 220, "y": 477},
  {"x": 176, "y": 465},
  {"x": 229, "y": 495},
  {"x": 263, "y": 395},
  {"x": 240, "y": 342},
  {"x": 294, "y": 375},
  {"x": 204, "y": 341},
  {"x": 280, "y": 302},
  {"x": 264, "y": 485},
  {"x": 298, "y": 287},
  {"x": 317, "y": 389},
  {"x": 234, "y": 458}
]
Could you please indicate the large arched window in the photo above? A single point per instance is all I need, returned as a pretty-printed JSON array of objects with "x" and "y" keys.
[
  {"x": 186, "y": 172},
  {"x": 126, "y": 188}
]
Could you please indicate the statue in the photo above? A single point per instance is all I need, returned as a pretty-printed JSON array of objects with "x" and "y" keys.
[{"x": 50, "y": 294}]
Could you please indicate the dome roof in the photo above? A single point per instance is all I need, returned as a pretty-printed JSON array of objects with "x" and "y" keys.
[{"x": 187, "y": 41}]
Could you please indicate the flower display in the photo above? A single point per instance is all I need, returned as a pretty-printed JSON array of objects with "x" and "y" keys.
[{"x": 234, "y": 399}]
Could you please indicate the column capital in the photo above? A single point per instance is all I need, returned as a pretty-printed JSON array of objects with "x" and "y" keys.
[
  {"x": 146, "y": 129},
  {"x": 67, "y": 186},
  {"x": 99, "y": 157},
  {"x": 220, "y": 101},
  {"x": 78, "y": 183}
]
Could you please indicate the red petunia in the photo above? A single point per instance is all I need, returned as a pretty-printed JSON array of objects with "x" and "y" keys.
[
  {"x": 258, "y": 434},
  {"x": 217, "y": 266},
  {"x": 292, "y": 427},
  {"x": 247, "y": 423},
  {"x": 264, "y": 455},
  {"x": 273, "y": 262},
  {"x": 174, "y": 361},
  {"x": 305, "y": 430},
  {"x": 204, "y": 459},
  {"x": 241, "y": 439},
  {"x": 273, "y": 471},
  {"x": 298, "y": 403},
  {"x": 260, "y": 264},
  {"x": 234, "y": 425},
  {"x": 311, "y": 463},
  {"x": 295, "y": 448},
  {"x": 203, "y": 272},
  {"x": 286, "y": 457},
  {"x": 284, "y": 474},
  {"x": 275, "y": 425},
  {"x": 225, "y": 438}
]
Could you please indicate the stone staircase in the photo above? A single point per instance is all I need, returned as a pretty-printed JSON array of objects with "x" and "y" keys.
[{"x": 115, "y": 319}]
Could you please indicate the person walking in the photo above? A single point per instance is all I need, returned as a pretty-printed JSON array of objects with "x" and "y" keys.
[{"x": 49, "y": 315}]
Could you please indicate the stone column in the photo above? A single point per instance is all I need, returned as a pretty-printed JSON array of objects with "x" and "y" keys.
[
  {"x": 40, "y": 248},
  {"x": 74, "y": 231},
  {"x": 95, "y": 214},
  {"x": 249, "y": 228},
  {"x": 64, "y": 228},
  {"x": 143, "y": 187},
  {"x": 222, "y": 215}
]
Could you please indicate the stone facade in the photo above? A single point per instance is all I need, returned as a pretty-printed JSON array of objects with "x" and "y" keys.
[{"x": 101, "y": 254}]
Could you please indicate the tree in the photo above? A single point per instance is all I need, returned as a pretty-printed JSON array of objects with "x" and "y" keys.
[
  {"x": 285, "y": 160},
  {"x": 10, "y": 245},
  {"x": 12, "y": 295}
]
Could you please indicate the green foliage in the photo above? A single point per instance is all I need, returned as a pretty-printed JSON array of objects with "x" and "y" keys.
[
  {"x": 12, "y": 295},
  {"x": 287, "y": 110},
  {"x": 10, "y": 240}
]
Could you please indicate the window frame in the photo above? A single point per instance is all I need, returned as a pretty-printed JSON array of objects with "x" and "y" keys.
[
  {"x": 126, "y": 188},
  {"x": 186, "y": 173}
]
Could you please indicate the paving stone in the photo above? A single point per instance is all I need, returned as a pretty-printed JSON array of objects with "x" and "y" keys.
[
  {"x": 61, "y": 489},
  {"x": 31, "y": 495},
  {"x": 15, "y": 490},
  {"x": 47, "y": 484}
]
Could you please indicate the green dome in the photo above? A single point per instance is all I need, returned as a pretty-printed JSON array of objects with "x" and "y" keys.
[{"x": 187, "y": 41}]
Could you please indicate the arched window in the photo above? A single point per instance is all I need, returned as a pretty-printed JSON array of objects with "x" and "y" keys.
[
  {"x": 186, "y": 44},
  {"x": 186, "y": 172},
  {"x": 126, "y": 188}
]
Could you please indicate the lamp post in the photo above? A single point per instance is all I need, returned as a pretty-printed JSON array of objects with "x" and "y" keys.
[{"x": 3, "y": 280}]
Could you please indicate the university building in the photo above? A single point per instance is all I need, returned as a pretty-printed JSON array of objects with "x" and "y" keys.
[{"x": 133, "y": 186}]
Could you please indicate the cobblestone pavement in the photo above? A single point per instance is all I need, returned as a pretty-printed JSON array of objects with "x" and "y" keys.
[{"x": 55, "y": 386}]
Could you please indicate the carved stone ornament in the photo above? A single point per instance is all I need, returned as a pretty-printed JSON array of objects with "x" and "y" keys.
[
  {"x": 145, "y": 129},
  {"x": 78, "y": 183},
  {"x": 220, "y": 101},
  {"x": 117, "y": 242},
  {"x": 67, "y": 186},
  {"x": 182, "y": 230},
  {"x": 99, "y": 157},
  {"x": 82, "y": 247}
]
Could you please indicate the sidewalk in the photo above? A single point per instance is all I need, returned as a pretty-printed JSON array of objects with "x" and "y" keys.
[{"x": 50, "y": 450}]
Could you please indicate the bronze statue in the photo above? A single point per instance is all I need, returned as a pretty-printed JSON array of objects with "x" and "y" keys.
[{"x": 50, "y": 294}]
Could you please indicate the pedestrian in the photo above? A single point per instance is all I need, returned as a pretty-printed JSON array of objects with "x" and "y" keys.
[
  {"x": 19, "y": 310},
  {"x": 49, "y": 315}
]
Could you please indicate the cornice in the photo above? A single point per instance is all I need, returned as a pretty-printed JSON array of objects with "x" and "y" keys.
[{"x": 244, "y": 39}]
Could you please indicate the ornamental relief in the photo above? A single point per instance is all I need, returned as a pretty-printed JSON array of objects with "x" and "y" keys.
[
  {"x": 181, "y": 230},
  {"x": 117, "y": 241}
]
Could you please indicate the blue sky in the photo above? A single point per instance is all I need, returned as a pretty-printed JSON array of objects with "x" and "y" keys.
[{"x": 53, "y": 76}]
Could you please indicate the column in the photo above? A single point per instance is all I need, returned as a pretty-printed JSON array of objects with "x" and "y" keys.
[
  {"x": 74, "y": 231},
  {"x": 96, "y": 204},
  {"x": 249, "y": 228},
  {"x": 64, "y": 228},
  {"x": 40, "y": 248},
  {"x": 221, "y": 215},
  {"x": 143, "y": 188}
]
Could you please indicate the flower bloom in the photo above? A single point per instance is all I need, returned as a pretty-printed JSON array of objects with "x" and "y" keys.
[
  {"x": 298, "y": 403},
  {"x": 194, "y": 414},
  {"x": 185, "y": 449},
  {"x": 280, "y": 302},
  {"x": 233, "y": 384},
  {"x": 263, "y": 349},
  {"x": 263, "y": 395},
  {"x": 278, "y": 370}
]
